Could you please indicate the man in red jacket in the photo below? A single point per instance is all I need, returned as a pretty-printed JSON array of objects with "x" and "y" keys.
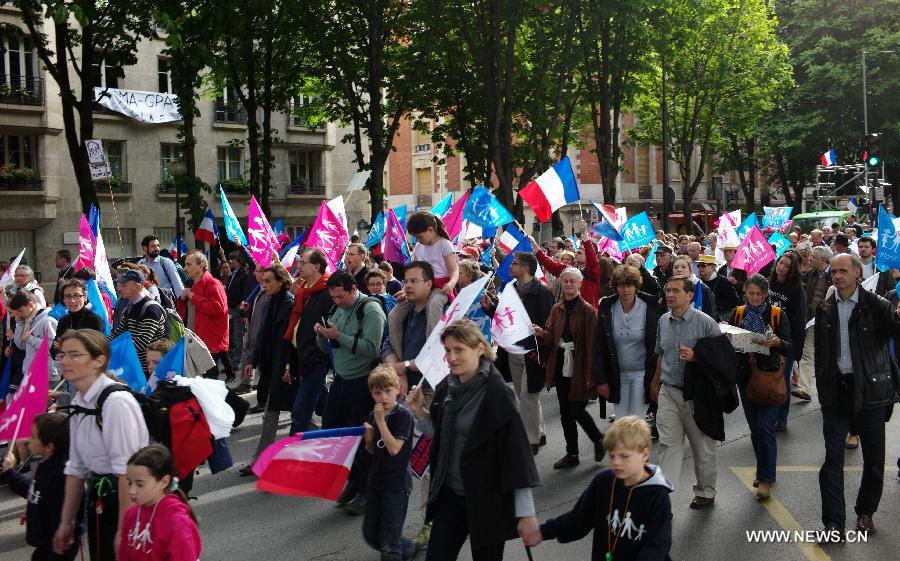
[
  {"x": 596, "y": 279},
  {"x": 207, "y": 312}
]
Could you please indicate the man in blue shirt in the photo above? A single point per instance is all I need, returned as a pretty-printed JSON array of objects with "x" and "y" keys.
[{"x": 165, "y": 270}]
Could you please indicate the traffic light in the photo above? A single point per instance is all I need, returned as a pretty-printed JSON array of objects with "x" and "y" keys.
[{"x": 872, "y": 152}]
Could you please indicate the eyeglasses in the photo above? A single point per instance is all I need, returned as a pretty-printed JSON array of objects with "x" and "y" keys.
[
  {"x": 69, "y": 356},
  {"x": 73, "y": 296}
]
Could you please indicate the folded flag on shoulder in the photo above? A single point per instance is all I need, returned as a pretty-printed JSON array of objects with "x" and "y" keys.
[
  {"x": 554, "y": 189},
  {"x": 310, "y": 464}
]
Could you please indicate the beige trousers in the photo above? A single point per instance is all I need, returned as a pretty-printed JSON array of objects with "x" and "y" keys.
[{"x": 674, "y": 421}]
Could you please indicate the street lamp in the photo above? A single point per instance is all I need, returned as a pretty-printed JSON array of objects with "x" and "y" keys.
[{"x": 177, "y": 168}]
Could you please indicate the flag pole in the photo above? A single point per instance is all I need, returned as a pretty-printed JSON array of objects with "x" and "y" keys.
[{"x": 18, "y": 426}]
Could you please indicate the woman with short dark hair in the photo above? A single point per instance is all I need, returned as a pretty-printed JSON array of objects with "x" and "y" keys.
[{"x": 625, "y": 360}]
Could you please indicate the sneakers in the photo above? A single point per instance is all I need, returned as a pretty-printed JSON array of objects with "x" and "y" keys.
[
  {"x": 567, "y": 461},
  {"x": 424, "y": 535},
  {"x": 356, "y": 506},
  {"x": 764, "y": 491},
  {"x": 347, "y": 495}
]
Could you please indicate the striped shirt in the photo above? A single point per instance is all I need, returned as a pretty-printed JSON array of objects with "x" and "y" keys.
[{"x": 145, "y": 320}]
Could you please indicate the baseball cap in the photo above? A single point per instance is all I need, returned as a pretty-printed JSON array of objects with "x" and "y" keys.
[{"x": 131, "y": 275}]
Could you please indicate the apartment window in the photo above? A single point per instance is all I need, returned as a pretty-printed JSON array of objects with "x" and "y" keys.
[
  {"x": 297, "y": 102},
  {"x": 115, "y": 249},
  {"x": 168, "y": 153},
  {"x": 18, "y": 60},
  {"x": 18, "y": 151},
  {"x": 229, "y": 160},
  {"x": 106, "y": 75},
  {"x": 115, "y": 156},
  {"x": 164, "y": 75},
  {"x": 306, "y": 167}
]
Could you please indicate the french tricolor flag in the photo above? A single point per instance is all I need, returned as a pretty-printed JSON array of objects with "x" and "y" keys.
[
  {"x": 510, "y": 237},
  {"x": 554, "y": 189},
  {"x": 208, "y": 231},
  {"x": 311, "y": 464},
  {"x": 828, "y": 158}
]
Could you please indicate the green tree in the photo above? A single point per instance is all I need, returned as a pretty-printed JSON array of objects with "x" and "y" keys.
[
  {"x": 707, "y": 53},
  {"x": 616, "y": 38},
  {"x": 371, "y": 57},
  {"x": 102, "y": 33}
]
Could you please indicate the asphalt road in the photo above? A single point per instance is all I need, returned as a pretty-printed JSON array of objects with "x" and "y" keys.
[{"x": 237, "y": 522}]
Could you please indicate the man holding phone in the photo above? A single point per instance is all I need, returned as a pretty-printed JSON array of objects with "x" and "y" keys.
[{"x": 311, "y": 304}]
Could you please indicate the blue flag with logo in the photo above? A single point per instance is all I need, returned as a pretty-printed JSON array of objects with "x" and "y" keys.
[
  {"x": 400, "y": 212},
  {"x": 775, "y": 217},
  {"x": 780, "y": 242},
  {"x": 171, "y": 365},
  {"x": 58, "y": 311},
  {"x": 888, "y": 256},
  {"x": 485, "y": 210},
  {"x": 524, "y": 246},
  {"x": 650, "y": 264},
  {"x": 232, "y": 227},
  {"x": 95, "y": 300},
  {"x": 744, "y": 227},
  {"x": 376, "y": 234},
  {"x": 486, "y": 256},
  {"x": 124, "y": 362},
  {"x": 443, "y": 206},
  {"x": 636, "y": 231},
  {"x": 697, "y": 301}
]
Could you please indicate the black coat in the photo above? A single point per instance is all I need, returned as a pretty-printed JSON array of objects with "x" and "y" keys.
[
  {"x": 496, "y": 461},
  {"x": 606, "y": 363},
  {"x": 792, "y": 302},
  {"x": 318, "y": 306},
  {"x": 272, "y": 353},
  {"x": 538, "y": 301},
  {"x": 709, "y": 381},
  {"x": 726, "y": 296},
  {"x": 739, "y": 275},
  {"x": 873, "y": 323},
  {"x": 649, "y": 283}
]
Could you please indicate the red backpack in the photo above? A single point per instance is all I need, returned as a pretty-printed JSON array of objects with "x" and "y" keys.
[{"x": 191, "y": 438}]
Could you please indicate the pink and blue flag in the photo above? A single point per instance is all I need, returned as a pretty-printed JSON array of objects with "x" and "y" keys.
[
  {"x": 31, "y": 398},
  {"x": 263, "y": 241},
  {"x": 453, "y": 220},
  {"x": 87, "y": 245},
  {"x": 828, "y": 158},
  {"x": 329, "y": 234},
  {"x": 311, "y": 464},
  {"x": 395, "y": 240},
  {"x": 754, "y": 253},
  {"x": 552, "y": 190}
]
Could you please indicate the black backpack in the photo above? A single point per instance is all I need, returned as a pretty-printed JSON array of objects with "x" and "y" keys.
[{"x": 154, "y": 408}]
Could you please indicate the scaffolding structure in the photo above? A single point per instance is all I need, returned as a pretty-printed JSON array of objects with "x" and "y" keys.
[{"x": 836, "y": 184}]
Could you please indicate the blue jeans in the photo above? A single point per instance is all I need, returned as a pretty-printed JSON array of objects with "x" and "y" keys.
[
  {"x": 786, "y": 406},
  {"x": 349, "y": 404},
  {"x": 835, "y": 426},
  {"x": 311, "y": 396},
  {"x": 383, "y": 524},
  {"x": 761, "y": 419}
]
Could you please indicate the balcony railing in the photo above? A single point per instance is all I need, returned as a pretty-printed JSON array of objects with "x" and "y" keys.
[
  {"x": 21, "y": 90},
  {"x": 234, "y": 186},
  {"x": 21, "y": 185},
  {"x": 303, "y": 189},
  {"x": 117, "y": 187},
  {"x": 230, "y": 113},
  {"x": 167, "y": 188}
]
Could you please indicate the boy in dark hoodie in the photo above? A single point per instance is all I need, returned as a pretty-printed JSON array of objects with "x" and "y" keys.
[
  {"x": 627, "y": 505},
  {"x": 49, "y": 442}
]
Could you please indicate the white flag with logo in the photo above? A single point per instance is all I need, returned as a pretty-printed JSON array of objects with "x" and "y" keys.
[
  {"x": 432, "y": 361},
  {"x": 511, "y": 323}
]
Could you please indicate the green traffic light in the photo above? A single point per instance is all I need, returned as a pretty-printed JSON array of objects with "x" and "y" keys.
[{"x": 874, "y": 161}]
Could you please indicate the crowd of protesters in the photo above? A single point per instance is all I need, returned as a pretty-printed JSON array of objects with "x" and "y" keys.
[{"x": 337, "y": 348}]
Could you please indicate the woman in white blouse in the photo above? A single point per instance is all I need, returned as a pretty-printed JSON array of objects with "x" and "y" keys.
[{"x": 96, "y": 457}]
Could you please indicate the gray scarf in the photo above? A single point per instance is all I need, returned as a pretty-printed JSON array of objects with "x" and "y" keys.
[{"x": 458, "y": 396}]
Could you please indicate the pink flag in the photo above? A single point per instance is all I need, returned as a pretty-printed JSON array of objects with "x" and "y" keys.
[
  {"x": 611, "y": 248},
  {"x": 453, "y": 220},
  {"x": 394, "y": 240},
  {"x": 88, "y": 243},
  {"x": 753, "y": 253},
  {"x": 328, "y": 234},
  {"x": 263, "y": 241},
  {"x": 31, "y": 398}
]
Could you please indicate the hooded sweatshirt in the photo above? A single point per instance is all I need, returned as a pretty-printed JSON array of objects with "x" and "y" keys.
[
  {"x": 168, "y": 534},
  {"x": 645, "y": 526}
]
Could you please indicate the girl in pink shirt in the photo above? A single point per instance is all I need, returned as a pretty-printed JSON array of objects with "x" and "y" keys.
[{"x": 160, "y": 526}]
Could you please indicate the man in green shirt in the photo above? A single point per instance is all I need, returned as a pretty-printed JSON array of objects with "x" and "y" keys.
[{"x": 353, "y": 337}]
